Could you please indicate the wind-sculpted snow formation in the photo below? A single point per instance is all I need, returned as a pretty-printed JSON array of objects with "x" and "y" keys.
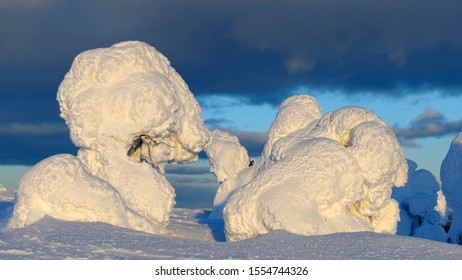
[
  {"x": 299, "y": 113},
  {"x": 418, "y": 200},
  {"x": 130, "y": 113},
  {"x": 451, "y": 184},
  {"x": 227, "y": 159},
  {"x": 320, "y": 175}
]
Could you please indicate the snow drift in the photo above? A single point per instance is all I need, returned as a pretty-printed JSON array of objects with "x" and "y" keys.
[
  {"x": 451, "y": 184},
  {"x": 319, "y": 176},
  {"x": 418, "y": 201},
  {"x": 191, "y": 237},
  {"x": 130, "y": 113}
]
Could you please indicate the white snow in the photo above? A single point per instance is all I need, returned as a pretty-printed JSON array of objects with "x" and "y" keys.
[
  {"x": 130, "y": 113},
  {"x": 191, "y": 236},
  {"x": 322, "y": 189},
  {"x": 418, "y": 201},
  {"x": 296, "y": 113},
  {"x": 451, "y": 184},
  {"x": 321, "y": 176},
  {"x": 63, "y": 188},
  {"x": 227, "y": 159},
  {"x": 442, "y": 207}
]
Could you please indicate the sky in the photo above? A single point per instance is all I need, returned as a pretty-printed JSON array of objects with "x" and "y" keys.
[{"x": 241, "y": 59}]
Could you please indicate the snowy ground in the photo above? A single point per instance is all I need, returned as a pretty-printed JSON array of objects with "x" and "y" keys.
[{"x": 189, "y": 237}]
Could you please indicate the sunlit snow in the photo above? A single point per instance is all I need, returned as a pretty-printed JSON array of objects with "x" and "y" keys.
[{"x": 323, "y": 186}]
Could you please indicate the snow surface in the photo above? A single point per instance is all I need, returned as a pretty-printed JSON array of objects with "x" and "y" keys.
[
  {"x": 319, "y": 176},
  {"x": 190, "y": 235},
  {"x": 451, "y": 184},
  {"x": 130, "y": 113}
]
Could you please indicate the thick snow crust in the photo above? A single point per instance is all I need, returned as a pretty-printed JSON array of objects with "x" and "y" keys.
[
  {"x": 130, "y": 113},
  {"x": 418, "y": 201},
  {"x": 334, "y": 174},
  {"x": 451, "y": 184}
]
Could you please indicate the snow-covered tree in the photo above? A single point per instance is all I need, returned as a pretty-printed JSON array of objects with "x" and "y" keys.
[
  {"x": 451, "y": 184},
  {"x": 418, "y": 201},
  {"x": 130, "y": 113},
  {"x": 319, "y": 176},
  {"x": 227, "y": 159}
]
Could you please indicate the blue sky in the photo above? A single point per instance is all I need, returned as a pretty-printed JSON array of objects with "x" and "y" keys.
[{"x": 402, "y": 59}]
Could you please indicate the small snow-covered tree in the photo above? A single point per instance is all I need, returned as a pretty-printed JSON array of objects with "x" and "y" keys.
[
  {"x": 227, "y": 160},
  {"x": 451, "y": 184},
  {"x": 418, "y": 201}
]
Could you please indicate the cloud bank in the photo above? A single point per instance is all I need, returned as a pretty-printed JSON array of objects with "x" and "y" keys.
[
  {"x": 429, "y": 124},
  {"x": 258, "y": 51},
  {"x": 259, "y": 46}
]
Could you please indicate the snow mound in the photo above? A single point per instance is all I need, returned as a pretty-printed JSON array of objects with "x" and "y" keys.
[
  {"x": 227, "y": 159},
  {"x": 331, "y": 175},
  {"x": 62, "y": 187},
  {"x": 418, "y": 201},
  {"x": 451, "y": 184},
  {"x": 130, "y": 113}
]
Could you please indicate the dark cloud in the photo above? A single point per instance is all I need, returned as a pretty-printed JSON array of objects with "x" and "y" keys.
[
  {"x": 428, "y": 124},
  {"x": 205, "y": 181},
  {"x": 409, "y": 143},
  {"x": 26, "y": 4},
  {"x": 29, "y": 150},
  {"x": 260, "y": 47},
  {"x": 193, "y": 191},
  {"x": 194, "y": 197},
  {"x": 24, "y": 129},
  {"x": 257, "y": 51},
  {"x": 253, "y": 141},
  {"x": 212, "y": 123},
  {"x": 186, "y": 170}
]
